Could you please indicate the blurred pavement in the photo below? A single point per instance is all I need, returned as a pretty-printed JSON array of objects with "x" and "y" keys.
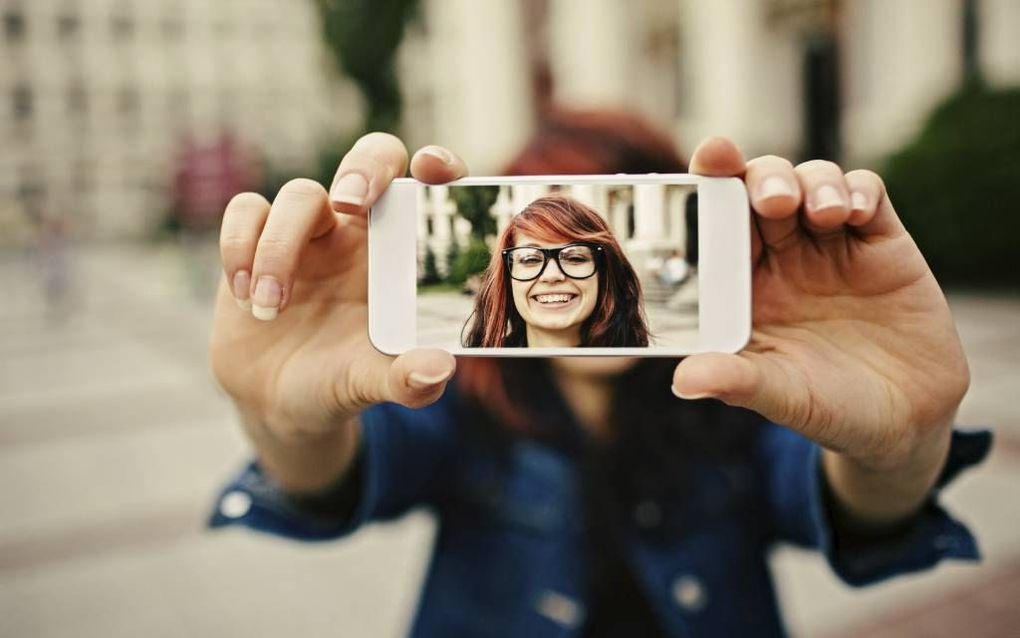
[{"x": 114, "y": 440}]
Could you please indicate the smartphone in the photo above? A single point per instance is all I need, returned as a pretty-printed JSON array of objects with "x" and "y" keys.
[{"x": 648, "y": 265}]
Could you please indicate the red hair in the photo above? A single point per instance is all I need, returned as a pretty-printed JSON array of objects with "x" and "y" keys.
[
  {"x": 566, "y": 142},
  {"x": 618, "y": 318}
]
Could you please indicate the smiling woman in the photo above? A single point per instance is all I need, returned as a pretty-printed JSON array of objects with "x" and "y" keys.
[{"x": 558, "y": 278}]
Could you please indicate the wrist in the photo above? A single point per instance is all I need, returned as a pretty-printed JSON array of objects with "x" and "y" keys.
[
  {"x": 881, "y": 490},
  {"x": 303, "y": 460}
]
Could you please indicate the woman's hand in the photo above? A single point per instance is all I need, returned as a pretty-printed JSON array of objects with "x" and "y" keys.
[
  {"x": 290, "y": 334},
  {"x": 853, "y": 344}
]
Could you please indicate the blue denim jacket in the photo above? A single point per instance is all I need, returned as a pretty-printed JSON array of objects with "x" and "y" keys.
[{"x": 508, "y": 558}]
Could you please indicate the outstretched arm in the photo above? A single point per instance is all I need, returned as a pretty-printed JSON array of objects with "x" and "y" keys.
[{"x": 853, "y": 344}]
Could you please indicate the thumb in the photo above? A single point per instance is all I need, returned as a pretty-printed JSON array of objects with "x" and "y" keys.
[
  {"x": 414, "y": 379},
  {"x": 735, "y": 380},
  {"x": 418, "y": 377}
]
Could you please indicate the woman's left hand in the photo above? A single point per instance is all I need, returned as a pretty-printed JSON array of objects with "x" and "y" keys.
[{"x": 853, "y": 344}]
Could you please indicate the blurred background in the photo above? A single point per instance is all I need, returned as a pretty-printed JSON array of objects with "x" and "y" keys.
[{"x": 126, "y": 125}]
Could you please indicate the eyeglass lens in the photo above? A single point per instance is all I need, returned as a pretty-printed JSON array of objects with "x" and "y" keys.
[{"x": 575, "y": 261}]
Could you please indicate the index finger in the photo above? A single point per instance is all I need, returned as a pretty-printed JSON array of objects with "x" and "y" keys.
[{"x": 365, "y": 172}]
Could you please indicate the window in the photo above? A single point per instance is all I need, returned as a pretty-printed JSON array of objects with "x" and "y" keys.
[
  {"x": 172, "y": 27},
  {"x": 82, "y": 176},
  {"x": 178, "y": 103},
  {"x": 128, "y": 101},
  {"x": 77, "y": 99},
  {"x": 223, "y": 28},
  {"x": 14, "y": 25},
  {"x": 122, "y": 24},
  {"x": 22, "y": 102},
  {"x": 68, "y": 26}
]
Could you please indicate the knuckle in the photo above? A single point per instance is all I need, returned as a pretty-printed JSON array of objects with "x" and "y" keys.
[
  {"x": 233, "y": 244},
  {"x": 274, "y": 254}
]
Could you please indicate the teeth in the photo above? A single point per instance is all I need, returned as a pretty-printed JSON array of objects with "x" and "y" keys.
[{"x": 552, "y": 298}]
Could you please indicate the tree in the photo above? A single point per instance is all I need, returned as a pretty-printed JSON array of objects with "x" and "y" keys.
[
  {"x": 473, "y": 260},
  {"x": 363, "y": 36},
  {"x": 452, "y": 255},
  {"x": 474, "y": 203}
]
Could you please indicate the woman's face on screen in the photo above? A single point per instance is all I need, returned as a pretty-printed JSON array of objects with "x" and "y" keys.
[{"x": 553, "y": 304}]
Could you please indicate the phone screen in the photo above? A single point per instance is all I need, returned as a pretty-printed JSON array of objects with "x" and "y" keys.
[{"x": 558, "y": 265}]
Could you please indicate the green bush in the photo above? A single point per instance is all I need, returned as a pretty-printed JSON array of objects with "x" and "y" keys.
[
  {"x": 430, "y": 270},
  {"x": 452, "y": 255},
  {"x": 957, "y": 187},
  {"x": 473, "y": 260}
]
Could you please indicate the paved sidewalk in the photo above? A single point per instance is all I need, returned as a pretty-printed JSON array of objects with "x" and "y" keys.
[{"x": 113, "y": 440}]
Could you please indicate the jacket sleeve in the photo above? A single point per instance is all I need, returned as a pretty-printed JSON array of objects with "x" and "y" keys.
[
  {"x": 400, "y": 465},
  {"x": 798, "y": 511}
]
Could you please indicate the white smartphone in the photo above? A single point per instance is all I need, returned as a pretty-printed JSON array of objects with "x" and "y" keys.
[{"x": 553, "y": 265}]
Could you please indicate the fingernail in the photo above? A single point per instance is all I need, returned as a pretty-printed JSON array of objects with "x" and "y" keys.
[
  {"x": 775, "y": 186},
  {"x": 242, "y": 283},
  {"x": 688, "y": 397},
  {"x": 858, "y": 201},
  {"x": 352, "y": 189},
  {"x": 265, "y": 303},
  {"x": 445, "y": 156},
  {"x": 827, "y": 196},
  {"x": 420, "y": 381}
]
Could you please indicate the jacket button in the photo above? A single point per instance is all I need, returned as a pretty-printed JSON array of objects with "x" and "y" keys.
[
  {"x": 235, "y": 504},
  {"x": 647, "y": 514},
  {"x": 559, "y": 609},
  {"x": 689, "y": 593}
]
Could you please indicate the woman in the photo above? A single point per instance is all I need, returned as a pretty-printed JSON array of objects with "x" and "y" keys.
[
  {"x": 577, "y": 495},
  {"x": 558, "y": 279}
]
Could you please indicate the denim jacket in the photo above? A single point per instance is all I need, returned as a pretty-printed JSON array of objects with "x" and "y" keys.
[{"x": 508, "y": 560}]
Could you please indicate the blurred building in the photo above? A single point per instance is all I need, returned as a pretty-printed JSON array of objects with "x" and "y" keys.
[
  {"x": 850, "y": 80},
  {"x": 102, "y": 98}
]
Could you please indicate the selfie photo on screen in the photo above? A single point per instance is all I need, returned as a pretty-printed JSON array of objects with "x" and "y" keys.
[{"x": 557, "y": 265}]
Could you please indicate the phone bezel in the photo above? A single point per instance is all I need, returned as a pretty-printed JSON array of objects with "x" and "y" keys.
[{"x": 724, "y": 265}]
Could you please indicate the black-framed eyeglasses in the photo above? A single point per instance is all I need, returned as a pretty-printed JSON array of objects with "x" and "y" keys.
[{"x": 577, "y": 261}]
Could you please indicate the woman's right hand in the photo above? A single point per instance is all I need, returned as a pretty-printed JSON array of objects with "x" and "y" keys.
[{"x": 290, "y": 333}]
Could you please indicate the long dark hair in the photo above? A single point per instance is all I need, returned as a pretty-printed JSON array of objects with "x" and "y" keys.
[
  {"x": 618, "y": 318},
  {"x": 655, "y": 434}
]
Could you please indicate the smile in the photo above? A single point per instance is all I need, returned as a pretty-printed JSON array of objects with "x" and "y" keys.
[{"x": 554, "y": 300}]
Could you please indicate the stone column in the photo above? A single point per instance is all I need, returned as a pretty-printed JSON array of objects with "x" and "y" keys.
[
  {"x": 649, "y": 217},
  {"x": 619, "y": 214},
  {"x": 503, "y": 209},
  {"x": 676, "y": 205},
  {"x": 524, "y": 194},
  {"x": 588, "y": 51},
  {"x": 741, "y": 76},
  {"x": 592, "y": 195},
  {"x": 1000, "y": 41},
  {"x": 902, "y": 58},
  {"x": 481, "y": 84}
]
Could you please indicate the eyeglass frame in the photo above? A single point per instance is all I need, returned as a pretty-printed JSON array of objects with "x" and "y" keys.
[{"x": 554, "y": 254}]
